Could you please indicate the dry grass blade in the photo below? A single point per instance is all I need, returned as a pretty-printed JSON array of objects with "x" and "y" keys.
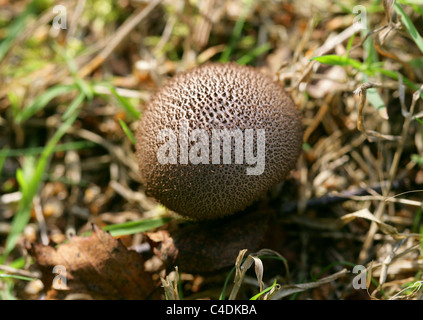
[
  {"x": 242, "y": 267},
  {"x": 171, "y": 286},
  {"x": 387, "y": 261},
  {"x": 414, "y": 203},
  {"x": 287, "y": 290},
  {"x": 269, "y": 252},
  {"x": 415, "y": 287},
  {"x": 272, "y": 292},
  {"x": 400, "y": 266},
  {"x": 385, "y": 228},
  {"x": 393, "y": 256},
  {"x": 20, "y": 272},
  {"x": 240, "y": 270},
  {"x": 370, "y": 134}
]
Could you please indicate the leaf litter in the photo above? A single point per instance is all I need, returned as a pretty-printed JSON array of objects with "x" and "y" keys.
[{"x": 98, "y": 266}]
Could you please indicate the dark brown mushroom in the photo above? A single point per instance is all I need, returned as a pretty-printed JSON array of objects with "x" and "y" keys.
[{"x": 214, "y": 139}]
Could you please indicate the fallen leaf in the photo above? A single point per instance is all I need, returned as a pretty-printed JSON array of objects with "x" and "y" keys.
[
  {"x": 96, "y": 266},
  {"x": 366, "y": 214}
]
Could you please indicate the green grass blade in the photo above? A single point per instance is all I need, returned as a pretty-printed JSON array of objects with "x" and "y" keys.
[
  {"x": 30, "y": 189},
  {"x": 21, "y": 180},
  {"x": 42, "y": 100},
  {"x": 83, "y": 86},
  {"x": 418, "y": 159},
  {"x": 253, "y": 54},
  {"x": 416, "y": 2},
  {"x": 421, "y": 237},
  {"x": 343, "y": 7},
  {"x": 417, "y": 5},
  {"x": 19, "y": 263},
  {"x": 42, "y": 161},
  {"x": 15, "y": 28},
  {"x": 258, "y": 295},
  {"x": 335, "y": 60},
  {"x": 20, "y": 220},
  {"x": 127, "y": 131},
  {"x": 133, "y": 227},
  {"x": 371, "y": 60},
  {"x": 14, "y": 103},
  {"x": 3, "y": 159},
  {"x": 369, "y": 70},
  {"x": 375, "y": 99},
  {"x": 417, "y": 220},
  {"x": 236, "y": 34},
  {"x": 394, "y": 75},
  {"x": 416, "y": 63},
  {"x": 74, "y": 105},
  {"x": 349, "y": 44},
  {"x": 373, "y": 96},
  {"x": 223, "y": 293},
  {"x": 13, "y": 276},
  {"x": 409, "y": 26},
  {"x": 124, "y": 103},
  {"x": 76, "y": 145}
]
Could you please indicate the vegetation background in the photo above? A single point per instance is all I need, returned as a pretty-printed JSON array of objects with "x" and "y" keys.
[{"x": 74, "y": 77}]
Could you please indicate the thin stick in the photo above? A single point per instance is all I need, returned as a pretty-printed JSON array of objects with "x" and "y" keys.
[
  {"x": 342, "y": 196},
  {"x": 20, "y": 272}
]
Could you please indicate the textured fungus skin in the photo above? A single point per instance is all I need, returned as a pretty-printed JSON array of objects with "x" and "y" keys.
[{"x": 218, "y": 96}]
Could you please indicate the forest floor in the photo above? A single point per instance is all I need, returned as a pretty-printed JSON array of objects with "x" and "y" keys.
[{"x": 74, "y": 78}]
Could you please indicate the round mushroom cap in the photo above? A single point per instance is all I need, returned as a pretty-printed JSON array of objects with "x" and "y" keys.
[{"x": 185, "y": 161}]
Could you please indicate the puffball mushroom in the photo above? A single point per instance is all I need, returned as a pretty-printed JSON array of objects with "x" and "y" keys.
[{"x": 215, "y": 138}]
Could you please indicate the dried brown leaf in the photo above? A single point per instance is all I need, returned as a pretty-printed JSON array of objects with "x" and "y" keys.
[
  {"x": 171, "y": 286},
  {"x": 98, "y": 266},
  {"x": 385, "y": 228}
]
